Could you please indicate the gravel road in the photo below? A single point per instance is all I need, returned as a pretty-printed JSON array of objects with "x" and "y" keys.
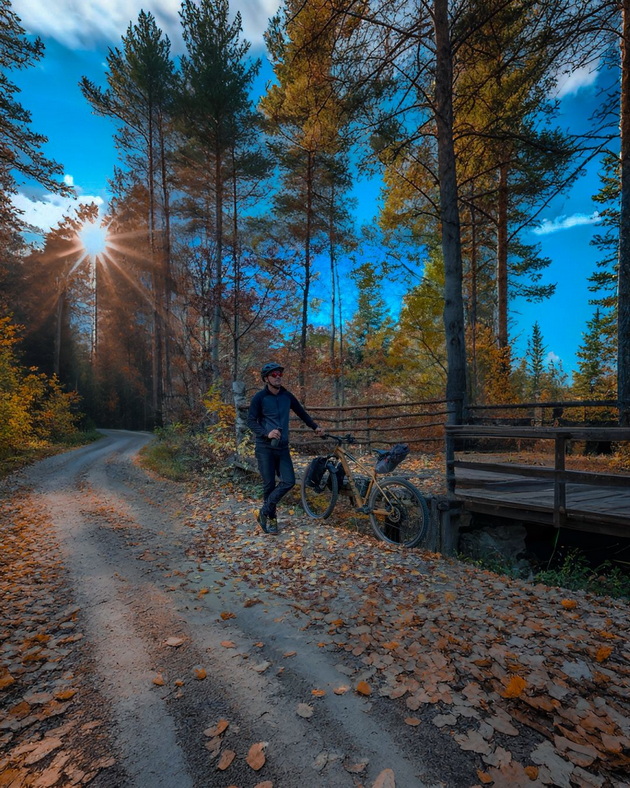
[
  {"x": 125, "y": 544},
  {"x": 152, "y": 637}
]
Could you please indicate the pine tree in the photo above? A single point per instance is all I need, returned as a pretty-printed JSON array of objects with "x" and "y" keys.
[
  {"x": 595, "y": 374},
  {"x": 535, "y": 356}
]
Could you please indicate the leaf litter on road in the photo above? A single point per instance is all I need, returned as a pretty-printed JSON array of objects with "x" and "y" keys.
[{"x": 504, "y": 663}]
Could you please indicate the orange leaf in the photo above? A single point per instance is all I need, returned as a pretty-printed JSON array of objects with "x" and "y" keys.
[
  {"x": 603, "y": 652},
  {"x": 484, "y": 777},
  {"x": 531, "y": 772},
  {"x": 569, "y": 604},
  {"x": 341, "y": 690},
  {"x": 200, "y": 673},
  {"x": 226, "y": 759},
  {"x": 515, "y": 687},
  {"x": 159, "y": 680},
  {"x": 413, "y": 721},
  {"x": 318, "y": 693},
  {"x": 289, "y": 653},
  {"x": 217, "y": 730},
  {"x": 228, "y": 644},
  {"x": 256, "y": 755},
  {"x": 363, "y": 688},
  {"x": 225, "y": 615}
]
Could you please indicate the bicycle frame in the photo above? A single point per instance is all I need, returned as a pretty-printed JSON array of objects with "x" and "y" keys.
[{"x": 360, "y": 501}]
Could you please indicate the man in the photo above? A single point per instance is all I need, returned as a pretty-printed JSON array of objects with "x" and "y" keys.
[{"x": 269, "y": 420}]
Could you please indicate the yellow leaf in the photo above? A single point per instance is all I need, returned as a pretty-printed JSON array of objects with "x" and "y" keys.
[
  {"x": 363, "y": 688},
  {"x": 515, "y": 687}
]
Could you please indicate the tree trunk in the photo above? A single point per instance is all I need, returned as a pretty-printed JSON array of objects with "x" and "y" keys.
[
  {"x": 623, "y": 293},
  {"x": 218, "y": 289},
  {"x": 502, "y": 258},
  {"x": 307, "y": 276},
  {"x": 449, "y": 216}
]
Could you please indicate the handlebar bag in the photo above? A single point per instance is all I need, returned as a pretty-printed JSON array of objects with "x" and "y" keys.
[{"x": 392, "y": 459}]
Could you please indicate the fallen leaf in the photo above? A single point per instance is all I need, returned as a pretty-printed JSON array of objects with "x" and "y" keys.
[
  {"x": 484, "y": 777},
  {"x": 264, "y": 784},
  {"x": 199, "y": 672},
  {"x": 412, "y": 721},
  {"x": 65, "y": 694},
  {"x": 256, "y": 755},
  {"x": 318, "y": 693},
  {"x": 363, "y": 688},
  {"x": 386, "y": 779},
  {"x": 227, "y": 756},
  {"x": 225, "y": 615},
  {"x": 228, "y": 644},
  {"x": 356, "y": 768},
  {"x": 159, "y": 680},
  {"x": 304, "y": 710},
  {"x": 515, "y": 687},
  {"x": 531, "y": 772},
  {"x": 569, "y": 604},
  {"x": 603, "y": 652},
  {"x": 217, "y": 730},
  {"x": 341, "y": 690},
  {"x": 289, "y": 653},
  {"x": 173, "y": 642}
]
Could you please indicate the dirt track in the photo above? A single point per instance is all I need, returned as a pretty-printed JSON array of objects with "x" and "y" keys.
[{"x": 155, "y": 633}]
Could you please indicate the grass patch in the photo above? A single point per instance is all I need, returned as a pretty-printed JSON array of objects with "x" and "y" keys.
[
  {"x": 166, "y": 458},
  {"x": 575, "y": 574}
]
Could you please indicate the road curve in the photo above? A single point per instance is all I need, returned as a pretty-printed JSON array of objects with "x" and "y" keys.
[{"x": 126, "y": 542}]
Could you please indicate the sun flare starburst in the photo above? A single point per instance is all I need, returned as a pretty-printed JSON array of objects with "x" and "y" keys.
[{"x": 94, "y": 239}]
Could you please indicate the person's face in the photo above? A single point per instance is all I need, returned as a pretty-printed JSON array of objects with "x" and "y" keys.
[{"x": 274, "y": 379}]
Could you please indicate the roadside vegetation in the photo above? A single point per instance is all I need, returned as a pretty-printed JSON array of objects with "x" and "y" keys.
[{"x": 37, "y": 417}]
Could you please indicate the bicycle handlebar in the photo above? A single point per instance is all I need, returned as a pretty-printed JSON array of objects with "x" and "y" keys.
[{"x": 344, "y": 439}]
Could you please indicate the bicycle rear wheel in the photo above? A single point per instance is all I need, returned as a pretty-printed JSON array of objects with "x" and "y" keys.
[
  {"x": 399, "y": 513},
  {"x": 319, "y": 500}
]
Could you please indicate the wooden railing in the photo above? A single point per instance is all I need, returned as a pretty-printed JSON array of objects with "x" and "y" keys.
[
  {"x": 558, "y": 475},
  {"x": 552, "y": 413},
  {"x": 419, "y": 424}
]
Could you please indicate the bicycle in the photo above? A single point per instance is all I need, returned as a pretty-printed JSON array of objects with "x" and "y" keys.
[{"x": 398, "y": 512}]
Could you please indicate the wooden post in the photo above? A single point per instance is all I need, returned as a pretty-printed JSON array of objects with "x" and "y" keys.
[{"x": 559, "y": 486}]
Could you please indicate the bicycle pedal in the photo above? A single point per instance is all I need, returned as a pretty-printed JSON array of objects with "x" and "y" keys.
[{"x": 364, "y": 509}]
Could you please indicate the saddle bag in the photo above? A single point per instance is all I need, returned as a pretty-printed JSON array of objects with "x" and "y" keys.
[{"x": 392, "y": 458}]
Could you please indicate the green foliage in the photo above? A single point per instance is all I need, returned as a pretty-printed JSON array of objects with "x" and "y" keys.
[
  {"x": 575, "y": 574},
  {"x": 595, "y": 375}
]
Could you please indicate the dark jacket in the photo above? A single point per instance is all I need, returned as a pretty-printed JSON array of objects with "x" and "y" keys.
[{"x": 269, "y": 411}]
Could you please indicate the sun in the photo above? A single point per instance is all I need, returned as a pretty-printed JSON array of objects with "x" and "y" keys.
[{"x": 94, "y": 238}]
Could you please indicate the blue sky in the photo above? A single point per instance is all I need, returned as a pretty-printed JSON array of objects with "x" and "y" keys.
[{"x": 77, "y": 36}]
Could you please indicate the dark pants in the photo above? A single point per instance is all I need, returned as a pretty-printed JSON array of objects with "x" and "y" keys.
[{"x": 271, "y": 463}]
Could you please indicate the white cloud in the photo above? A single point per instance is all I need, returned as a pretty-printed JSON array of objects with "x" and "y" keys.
[
  {"x": 549, "y": 226},
  {"x": 47, "y": 211},
  {"x": 572, "y": 82},
  {"x": 552, "y": 358},
  {"x": 79, "y": 25}
]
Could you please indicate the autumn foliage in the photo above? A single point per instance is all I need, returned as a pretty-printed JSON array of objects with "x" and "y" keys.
[{"x": 34, "y": 409}]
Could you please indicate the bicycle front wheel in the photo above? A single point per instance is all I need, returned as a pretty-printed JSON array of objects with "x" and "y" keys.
[
  {"x": 319, "y": 500},
  {"x": 398, "y": 512}
]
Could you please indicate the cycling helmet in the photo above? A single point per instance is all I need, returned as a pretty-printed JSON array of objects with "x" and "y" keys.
[{"x": 269, "y": 368}]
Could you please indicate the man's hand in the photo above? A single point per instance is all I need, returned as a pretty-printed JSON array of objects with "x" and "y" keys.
[
  {"x": 319, "y": 431},
  {"x": 274, "y": 434}
]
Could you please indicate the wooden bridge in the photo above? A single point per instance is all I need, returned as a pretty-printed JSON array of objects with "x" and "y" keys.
[
  {"x": 529, "y": 490},
  {"x": 581, "y": 500}
]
